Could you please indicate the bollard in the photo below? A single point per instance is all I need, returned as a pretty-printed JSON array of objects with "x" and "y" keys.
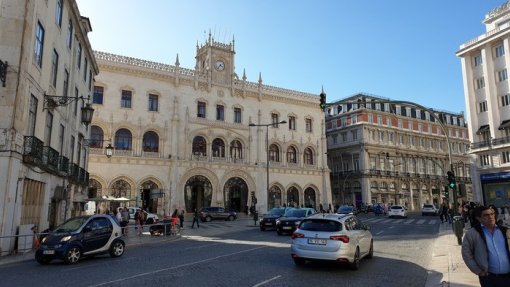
[{"x": 458, "y": 228}]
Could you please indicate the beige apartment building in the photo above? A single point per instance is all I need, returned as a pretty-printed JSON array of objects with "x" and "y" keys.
[
  {"x": 384, "y": 151},
  {"x": 183, "y": 139},
  {"x": 46, "y": 74},
  {"x": 485, "y": 63}
]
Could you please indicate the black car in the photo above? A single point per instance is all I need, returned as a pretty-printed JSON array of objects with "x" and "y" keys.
[
  {"x": 210, "y": 213},
  {"x": 347, "y": 209},
  {"x": 269, "y": 220},
  {"x": 289, "y": 222},
  {"x": 80, "y": 237}
]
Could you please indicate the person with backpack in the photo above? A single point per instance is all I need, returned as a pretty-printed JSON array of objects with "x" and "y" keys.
[{"x": 195, "y": 218}]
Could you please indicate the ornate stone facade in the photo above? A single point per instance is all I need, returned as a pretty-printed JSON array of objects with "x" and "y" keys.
[{"x": 188, "y": 130}]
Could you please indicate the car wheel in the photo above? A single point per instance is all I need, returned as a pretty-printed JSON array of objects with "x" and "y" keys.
[
  {"x": 208, "y": 219},
  {"x": 117, "y": 248},
  {"x": 230, "y": 218},
  {"x": 73, "y": 255},
  {"x": 371, "y": 251},
  {"x": 299, "y": 261},
  {"x": 42, "y": 260},
  {"x": 355, "y": 263}
]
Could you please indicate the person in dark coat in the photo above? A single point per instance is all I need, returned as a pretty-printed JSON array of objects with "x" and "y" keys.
[
  {"x": 195, "y": 218},
  {"x": 181, "y": 219}
]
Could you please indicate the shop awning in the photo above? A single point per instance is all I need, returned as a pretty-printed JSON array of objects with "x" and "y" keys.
[
  {"x": 504, "y": 124},
  {"x": 482, "y": 129}
]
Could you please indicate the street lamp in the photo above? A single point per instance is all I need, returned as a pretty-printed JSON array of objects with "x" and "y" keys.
[
  {"x": 51, "y": 101},
  {"x": 267, "y": 146}
]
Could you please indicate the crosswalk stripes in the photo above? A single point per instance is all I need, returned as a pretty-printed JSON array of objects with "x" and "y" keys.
[{"x": 386, "y": 220}]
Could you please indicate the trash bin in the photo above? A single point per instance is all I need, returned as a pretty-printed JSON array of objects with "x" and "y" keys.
[{"x": 458, "y": 228}]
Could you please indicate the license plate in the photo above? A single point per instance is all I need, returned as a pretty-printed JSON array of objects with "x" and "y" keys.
[
  {"x": 287, "y": 227},
  {"x": 317, "y": 241},
  {"x": 49, "y": 252},
  {"x": 268, "y": 223}
]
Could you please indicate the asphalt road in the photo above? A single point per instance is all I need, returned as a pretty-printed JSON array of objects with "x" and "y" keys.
[{"x": 235, "y": 254}]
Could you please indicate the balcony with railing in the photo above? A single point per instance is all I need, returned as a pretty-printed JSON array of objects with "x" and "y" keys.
[
  {"x": 50, "y": 159},
  {"x": 33, "y": 151},
  {"x": 63, "y": 165}
]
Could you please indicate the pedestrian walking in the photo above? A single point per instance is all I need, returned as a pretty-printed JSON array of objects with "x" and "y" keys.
[
  {"x": 138, "y": 221},
  {"x": 181, "y": 218},
  {"x": 486, "y": 251},
  {"x": 195, "y": 219},
  {"x": 125, "y": 221}
]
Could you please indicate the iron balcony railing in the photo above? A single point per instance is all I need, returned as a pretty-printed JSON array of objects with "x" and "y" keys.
[
  {"x": 81, "y": 175},
  {"x": 50, "y": 158},
  {"x": 74, "y": 172},
  {"x": 63, "y": 165},
  {"x": 33, "y": 150}
]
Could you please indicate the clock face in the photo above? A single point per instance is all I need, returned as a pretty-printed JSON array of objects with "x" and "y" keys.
[{"x": 219, "y": 65}]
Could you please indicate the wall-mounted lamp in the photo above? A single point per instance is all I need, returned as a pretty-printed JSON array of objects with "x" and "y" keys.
[
  {"x": 98, "y": 143},
  {"x": 50, "y": 102},
  {"x": 109, "y": 150},
  {"x": 3, "y": 72}
]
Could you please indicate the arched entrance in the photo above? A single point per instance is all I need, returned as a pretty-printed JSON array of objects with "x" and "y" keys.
[
  {"x": 310, "y": 199},
  {"x": 236, "y": 194},
  {"x": 274, "y": 197},
  {"x": 149, "y": 195},
  {"x": 197, "y": 193},
  {"x": 293, "y": 197},
  {"x": 120, "y": 188}
]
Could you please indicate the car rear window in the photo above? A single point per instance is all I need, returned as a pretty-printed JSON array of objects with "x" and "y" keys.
[
  {"x": 320, "y": 225},
  {"x": 396, "y": 207}
]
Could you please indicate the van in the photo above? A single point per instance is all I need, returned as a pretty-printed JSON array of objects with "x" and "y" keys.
[{"x": 90, "y": 208}]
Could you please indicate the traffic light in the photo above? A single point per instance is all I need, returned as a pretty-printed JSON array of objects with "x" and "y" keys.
[
  {"x": 323, "y": 100},
  {"x": 451, "y": 180}
]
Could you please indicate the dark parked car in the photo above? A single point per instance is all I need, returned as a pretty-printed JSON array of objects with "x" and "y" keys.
[
  {"x": 291, "y": 219},
  {"x": 210, "y": 213},
  {"x": 378, "y": 209},
  {"x": 269, "y": 220},
  {"x": 80, "y": 237}
]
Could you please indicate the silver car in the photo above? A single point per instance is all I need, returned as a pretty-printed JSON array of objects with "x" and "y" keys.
[{"x": 332, "y": 237}]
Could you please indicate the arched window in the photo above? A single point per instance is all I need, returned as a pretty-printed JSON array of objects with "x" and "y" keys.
[
  {"x": 151, "y": 142},
  {"x": 123, "y": 140},
  {"x": 308, "y": 156},
  {"x": 291, "y": 155},
  {"x": 236, "y": 149},
  {"x": 96, "y": 137},
  {"x": 199, "y": 146},
  {"x": 218, "y": 148},
  {"x": 274, "y": 153}
]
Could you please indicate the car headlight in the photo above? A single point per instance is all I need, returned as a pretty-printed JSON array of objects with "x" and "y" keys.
[
  {"x": 44, "y": 240},
  {"x": 277, "y": 222},
  {"x": 65, "y": 238},
  {"x": 297, "y": 223}
]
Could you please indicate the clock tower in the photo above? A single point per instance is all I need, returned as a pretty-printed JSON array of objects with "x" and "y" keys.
[{"x": 215, "y": 61}]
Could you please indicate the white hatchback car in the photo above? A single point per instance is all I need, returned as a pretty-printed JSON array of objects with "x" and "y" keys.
[
  {"x": 429, "y": 209},
  {"x": 397, "y": 211},
  {"x": 332, "y": 237}
]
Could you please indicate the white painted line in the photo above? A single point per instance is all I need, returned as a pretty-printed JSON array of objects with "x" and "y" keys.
[
  {"x": 267, "y": 281},
  {"x": 421, "y": 221},
  {"x": 387, "y": 221},
  {"x": 377, "y": 220},
  {"x": 174, "y": 267},
  {"x": 379, "y": 232},
  {"x": 408, "y": 221},
  {"x": 432, "y": 221}
]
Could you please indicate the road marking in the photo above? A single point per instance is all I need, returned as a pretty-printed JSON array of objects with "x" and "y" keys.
[
  {"x": 408, "y": 221},
  {"x": 421, "y": 221},
  {"x": 432, "y": 221},
  {"x": 379, "y": 232},
  {"x": 175, "y": 267},
  {"x": 387, "y": 221},
  {"x": 267, "y": 281}
]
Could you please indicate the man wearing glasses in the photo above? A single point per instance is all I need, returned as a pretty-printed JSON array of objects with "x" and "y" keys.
[{"x": 485, "y": 249}]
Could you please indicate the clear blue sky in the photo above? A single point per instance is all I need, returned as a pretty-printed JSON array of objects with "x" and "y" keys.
[{"x": 398, "y": 49}]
